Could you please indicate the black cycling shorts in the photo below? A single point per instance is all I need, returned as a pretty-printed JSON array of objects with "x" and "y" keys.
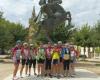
[
  {"x": 55, "y": 61},
  {"x": 32, "y": 62},
  {"x": 60, "y": 59},
  {"x": 41, "y": 61},
  {"x": 48, "y": 64},
  {"x": 25, "y": 61},
  {"x": 66, "y": 64}
]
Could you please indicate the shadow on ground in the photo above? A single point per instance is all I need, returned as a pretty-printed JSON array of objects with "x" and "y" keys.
[
  {"x": 85, "y": 74},
  {"x": 33, "y": 78}
]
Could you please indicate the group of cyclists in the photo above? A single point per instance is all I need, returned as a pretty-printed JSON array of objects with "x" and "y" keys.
[{"x": 53, "y": 60}]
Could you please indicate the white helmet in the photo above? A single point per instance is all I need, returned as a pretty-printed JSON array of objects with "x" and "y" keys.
[
  {"x": 25, "y": 43},
  {"x": 31, "y": 44}
]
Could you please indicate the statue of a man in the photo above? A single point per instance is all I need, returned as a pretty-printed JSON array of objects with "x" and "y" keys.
[
  {"x": 55, "y": 14},
  {"x": 51, "y": 15}
]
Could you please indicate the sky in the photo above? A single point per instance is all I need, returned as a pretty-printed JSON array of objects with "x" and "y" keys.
[{"x": 83, "y": 11}]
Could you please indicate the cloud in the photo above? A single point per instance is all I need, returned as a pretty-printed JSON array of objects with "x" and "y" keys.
[
  {"x": 83, "y": 11},
  {"x": 86, "y": 11},
  {"x": 17, "y": 10}
]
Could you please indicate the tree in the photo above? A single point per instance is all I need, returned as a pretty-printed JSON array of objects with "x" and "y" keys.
[
  {"x": 60, "y": 33},
  {"x": 10, "y": 32},
  {"x": 6, "y": 38},
  {"x": 1, "y": 15},
  {"x": 82, "y": 36},
  {"x": 97, "y": 33},
  {"x": 18, "y": 31}
]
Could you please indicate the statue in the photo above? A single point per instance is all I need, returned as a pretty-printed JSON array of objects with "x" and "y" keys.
[{"x": 51, "y": 15}]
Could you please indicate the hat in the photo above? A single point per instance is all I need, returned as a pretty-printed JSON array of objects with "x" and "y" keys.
[
  {"x": 66, "y": 44},
  {"x": 59, "y": 42},
  {"x": 25, "y": 43},
  {"x": 71, "y": 46},
  {"x": 55, "y": 44},
  {"x": 31, "y": 44}
]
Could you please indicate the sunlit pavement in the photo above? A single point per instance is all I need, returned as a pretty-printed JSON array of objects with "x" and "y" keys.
[{"x": 81, "y": 74}]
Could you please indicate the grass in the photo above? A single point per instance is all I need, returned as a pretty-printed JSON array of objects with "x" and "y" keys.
[
  {"x": 1, "y": 61},
  {"x": 97, "y": 64}
]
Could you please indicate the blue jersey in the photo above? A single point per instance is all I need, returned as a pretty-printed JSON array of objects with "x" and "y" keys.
[{"x": 64, "y": 51}]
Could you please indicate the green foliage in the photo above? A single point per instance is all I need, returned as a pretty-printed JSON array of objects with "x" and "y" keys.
[
  {"x": 6, "y": 38},
  {"x": 10, "y": 32},
  {"x": 87, "y": 36},
  {"x": 18, "y": 31},
  {"x": 97, "y": 50},
  {"x": 97, "y": 33},
  {"x": 60, "y": 33},
  {"x": 81, "y": 36},
  {"x": 1, "y": 15}
]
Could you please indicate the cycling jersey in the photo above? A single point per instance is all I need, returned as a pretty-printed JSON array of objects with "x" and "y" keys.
[
  {"x": 25, "y": 53},
  {"x": 56, "y": 53},
  {"x": 48, "y": 53},
  {"x": 41, "y": 53}
]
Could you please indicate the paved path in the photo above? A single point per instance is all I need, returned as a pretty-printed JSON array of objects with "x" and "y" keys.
[
  {"x": 5, "y": 70},
  {"x": 81, "y": 74}
]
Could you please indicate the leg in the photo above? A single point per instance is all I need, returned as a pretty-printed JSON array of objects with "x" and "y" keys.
[
  {"x": 34, "y": 66},
  {"x": 70, "y": 69},
  {"x": 15, "y": 69},
  {"x": 49, "y": 67},
  {"x": 26, "y": 69},
  {"x": 53, "y": 67},
  {"x": 30, "y": 64},
  {"x": 64, "y": 68},
  {"x": 57, "y": 66},
  {"x": 39, "y": 66},
  {"x": 68, "y": 65},
  {"x": 60, "y": 66},
  {"x": 27, "y": 64},
  {"x": 46, "y": 67},
  {"x": 22, "y": 67},
  {"x": 42, "y": 68},
  {"x": 73, "y": 68}
]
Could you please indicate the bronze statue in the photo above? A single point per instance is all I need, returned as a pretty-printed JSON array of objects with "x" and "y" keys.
[{"x": 51, "y": 15}]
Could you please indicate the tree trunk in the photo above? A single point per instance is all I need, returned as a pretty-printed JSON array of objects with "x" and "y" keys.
[
  {"x": 89, "y": 53},
  {"x": 84, "y": 53},
  {"x": 2, "y": 51},
  {"x": 84, "y": 50},
  {"x": 93, "y": 52}
]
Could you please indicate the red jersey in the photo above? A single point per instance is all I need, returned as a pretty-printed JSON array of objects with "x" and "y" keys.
[
  {"x": 48, "y": 52},
  {"x": 25, "y": 53}
]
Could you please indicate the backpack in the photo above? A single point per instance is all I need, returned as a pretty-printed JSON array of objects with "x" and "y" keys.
[{"x": 65, "y": 53}]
